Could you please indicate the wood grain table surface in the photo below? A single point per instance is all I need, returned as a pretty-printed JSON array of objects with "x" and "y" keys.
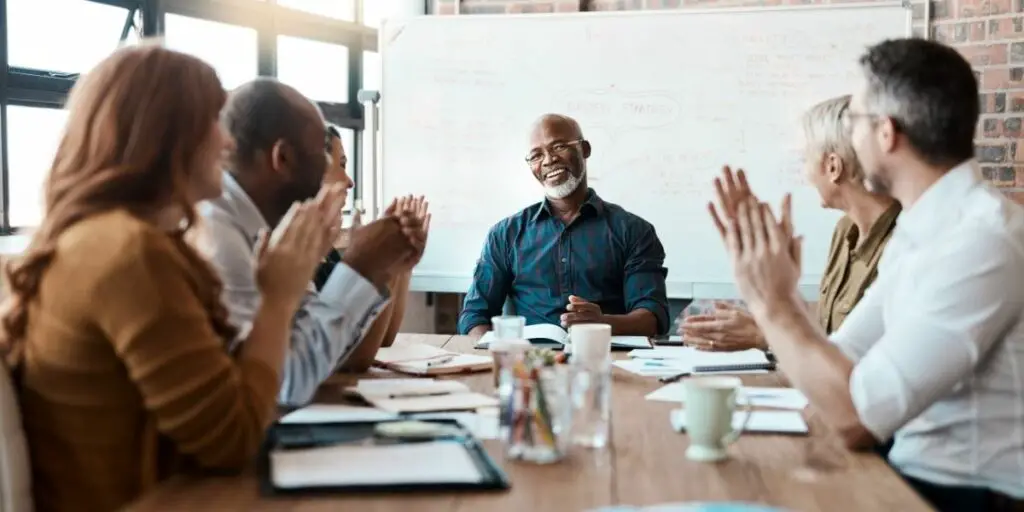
[{"x": 643, "y": 465}]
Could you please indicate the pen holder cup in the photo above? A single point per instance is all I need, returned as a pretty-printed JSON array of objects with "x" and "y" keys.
[{"x": 536, "y": 413}]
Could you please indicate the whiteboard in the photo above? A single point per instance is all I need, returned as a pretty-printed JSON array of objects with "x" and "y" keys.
[{"x": 665, "y": 98}]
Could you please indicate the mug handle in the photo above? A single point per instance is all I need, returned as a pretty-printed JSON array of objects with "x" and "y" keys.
[{"x": 734, "y": 434}]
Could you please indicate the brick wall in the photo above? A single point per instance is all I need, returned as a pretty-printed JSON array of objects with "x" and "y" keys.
[{"x": 989, "y": 33}]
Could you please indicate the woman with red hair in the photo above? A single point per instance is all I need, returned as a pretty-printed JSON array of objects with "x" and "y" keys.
[{"x": 114, "y": 327}]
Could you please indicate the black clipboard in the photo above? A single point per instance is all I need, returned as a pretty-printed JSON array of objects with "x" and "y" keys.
[{"x": 308, "y": 435}]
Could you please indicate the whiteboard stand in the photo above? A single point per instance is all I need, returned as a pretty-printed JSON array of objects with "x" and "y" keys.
[{"x": 371, "y": 102}]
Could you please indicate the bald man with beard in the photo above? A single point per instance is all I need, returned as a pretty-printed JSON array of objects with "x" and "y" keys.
[{"x": 572, "y": 258}]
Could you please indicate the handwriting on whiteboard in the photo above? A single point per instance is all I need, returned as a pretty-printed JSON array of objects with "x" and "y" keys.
[{"x": 622, "y": 109}]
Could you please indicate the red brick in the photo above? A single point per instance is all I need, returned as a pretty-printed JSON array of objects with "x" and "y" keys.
[
  {"x": 991, "y": 127},
  {"x": 1005, "y": 28},
  {"x": 1001, "y": 78},
  {"x": 958, "y": 31},
  {"x": 1015, "y": 101},
  {"x": 532, "y": 7},
  {"x": 1015, "y": 195},
  {"x": 973, "y": 8},
  {"x": 1000, "y": 175},
  {"x": 985, "y": 54}
]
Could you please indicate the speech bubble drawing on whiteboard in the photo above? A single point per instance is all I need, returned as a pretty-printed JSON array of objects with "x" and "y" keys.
[{"x": 621, "y": 109}]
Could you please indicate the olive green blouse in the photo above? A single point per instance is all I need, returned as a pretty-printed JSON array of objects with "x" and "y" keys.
[{"x": 851, "y": 268}]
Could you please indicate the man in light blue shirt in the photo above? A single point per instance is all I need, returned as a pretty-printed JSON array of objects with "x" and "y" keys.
[{"x": 279, "y": 158}]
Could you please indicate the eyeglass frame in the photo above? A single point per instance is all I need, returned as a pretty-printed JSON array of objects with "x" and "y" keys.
[{"x": 534, "y": 159}]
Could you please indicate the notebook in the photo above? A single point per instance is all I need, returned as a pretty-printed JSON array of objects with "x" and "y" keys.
[
  {"x": 553, "y": 336},
  {"x": 420, "y": 395},
  {"x": 764, "y": 422},
  {"x": 347, "y": 457},
  {"x": 422, "y": 359}
]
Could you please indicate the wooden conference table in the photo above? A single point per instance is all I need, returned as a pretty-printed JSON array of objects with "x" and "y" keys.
[{"x": 644, "y": 465}]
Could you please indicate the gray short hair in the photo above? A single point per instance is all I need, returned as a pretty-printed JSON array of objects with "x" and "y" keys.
[{"x": 825, "y": 133}]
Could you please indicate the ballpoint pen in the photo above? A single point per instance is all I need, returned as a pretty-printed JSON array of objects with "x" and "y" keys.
[{"x": 440, "y": 361}]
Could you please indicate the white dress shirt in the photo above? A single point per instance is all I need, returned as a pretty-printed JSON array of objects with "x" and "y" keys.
[
  {"x": 938, "y": 339},
  {"x": 328, "y": 325}
]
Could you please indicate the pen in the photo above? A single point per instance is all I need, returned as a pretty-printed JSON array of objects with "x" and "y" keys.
[{"x": 438, "y": 362}]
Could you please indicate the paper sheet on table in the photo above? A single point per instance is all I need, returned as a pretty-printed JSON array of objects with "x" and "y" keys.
[
  {"x": 666, "y": 368},
  {"x": 409, "y": 352},
  {"x": 350, "y": 465},
  {"x": 336, "y": 413},
  {"x": 775, "y": 422},
  {"x": 779, "y": 398},
  {"x": 694, "y": 357},
  {"x": 623, "y": 342},
  {"x": 458, "y": 363},
  {"x": 450, "y": 402},
  {"x": 393, "y": 388},
  {"x": 483, "y": 424}
]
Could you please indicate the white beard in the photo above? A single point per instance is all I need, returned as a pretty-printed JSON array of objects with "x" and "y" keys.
[{"x": 568, "y": 187}]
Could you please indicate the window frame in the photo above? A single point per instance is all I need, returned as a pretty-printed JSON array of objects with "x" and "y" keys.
[{"x": 49, "y": 89}]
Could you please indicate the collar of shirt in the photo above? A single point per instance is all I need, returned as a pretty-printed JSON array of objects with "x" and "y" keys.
[
  {"x": 244, "y": 210},
  {"x": 875, "y": 235},
  {"x": 932, "y": 213},
  {"x": 592, "y": 201}
]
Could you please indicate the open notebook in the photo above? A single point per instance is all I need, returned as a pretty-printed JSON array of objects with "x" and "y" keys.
[
  {"x": 420, "y": 395},
  {"x": 553, "y": 336},
  {"x": 422, "y": 359}
]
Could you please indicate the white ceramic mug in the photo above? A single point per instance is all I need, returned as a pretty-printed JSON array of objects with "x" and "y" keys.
[
  {"x": 590, "y": 343},
  {"x": 710, "y": 404}
]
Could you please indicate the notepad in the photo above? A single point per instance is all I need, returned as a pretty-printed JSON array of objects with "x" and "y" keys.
[
  {"x": 420, "y": 395},
  {"x": 693, "y": 357},
  {"x": 422, "y": 359},
  {"x": 771, "y": 422},
  {"x": 778, "y": 398},
  {"x": 553, "y": 335},
  {"x": 358, "y": 465},
  {"x": 336, "y": 413}
]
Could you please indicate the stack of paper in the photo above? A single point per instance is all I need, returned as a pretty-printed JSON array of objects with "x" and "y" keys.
[
  {"x": 420, "y": 395},
  {"x": 341, "y": 465},
  {"x": 667, "y": 361},
  {"x": 336, "y": 413},
  {"x": 778, "y": 398},
  {"x": 422, "y": 359},
  {"x": 776, "y": 422}
]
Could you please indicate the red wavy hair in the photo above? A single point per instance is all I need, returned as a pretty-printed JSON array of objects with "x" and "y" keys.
[{"x": 136, "y": 124}]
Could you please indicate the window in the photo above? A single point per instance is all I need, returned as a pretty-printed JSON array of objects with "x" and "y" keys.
[
  {"x": 230, "y": 49},
  {"x": 373, "y": 71},
  {"x": 340, "y": 9},
  {"x": 318, "y": 70},
  {"x": 69, "y": 36},
  {"x": 32, "y": 138}
]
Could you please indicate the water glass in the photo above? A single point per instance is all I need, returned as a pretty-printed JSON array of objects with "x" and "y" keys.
[
  {"x": 591, "y": 384},
  {"x": 507, "y": 332},
  {"x": 535, "y": 406},
  {"x": 591, "y": 390}
]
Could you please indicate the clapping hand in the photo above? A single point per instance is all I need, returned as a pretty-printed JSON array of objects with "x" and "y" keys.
[
  {"x": 727, "y": 328},
  {"x": 414, "y": 217},
  {"x": 764, "y": 253}
]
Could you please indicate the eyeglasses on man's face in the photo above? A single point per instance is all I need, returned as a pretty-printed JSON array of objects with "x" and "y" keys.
[{"x": 557, "y": 148}]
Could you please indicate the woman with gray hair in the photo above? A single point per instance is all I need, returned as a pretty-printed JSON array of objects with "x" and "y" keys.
[{"x": 831, "y": 166}]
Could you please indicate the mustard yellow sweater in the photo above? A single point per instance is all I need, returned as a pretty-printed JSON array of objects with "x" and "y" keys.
[{"x": 124, "y": 381}]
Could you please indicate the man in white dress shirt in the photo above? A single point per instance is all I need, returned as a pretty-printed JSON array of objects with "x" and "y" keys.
[{"x": 933, "y": 355}]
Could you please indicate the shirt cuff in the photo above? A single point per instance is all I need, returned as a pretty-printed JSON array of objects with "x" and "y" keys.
[{"x": 347, "y": 289}]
